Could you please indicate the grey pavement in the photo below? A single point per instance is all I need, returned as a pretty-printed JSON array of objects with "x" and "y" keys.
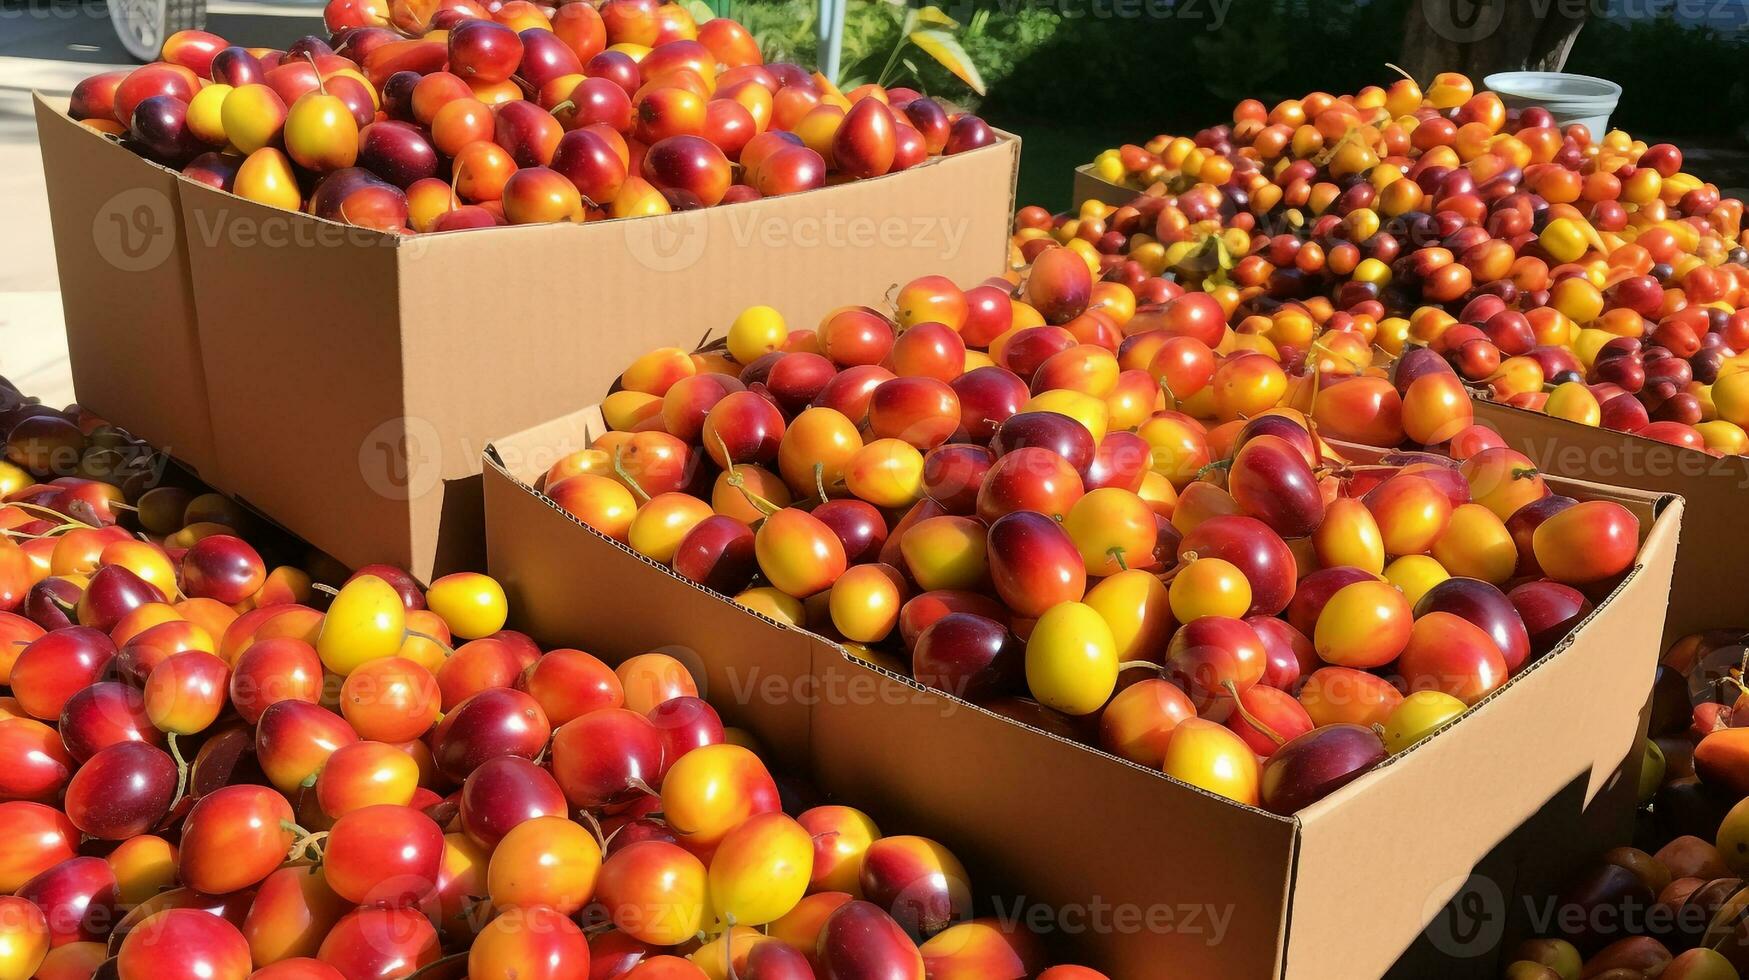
[{"x": 49, "y": 47}]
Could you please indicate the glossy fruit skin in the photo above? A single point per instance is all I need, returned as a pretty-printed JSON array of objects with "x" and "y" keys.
[
  {"x": 570, "y": 683},
  {"x": 1260, "y": 553},
  {"x": 291, "y": 912},
  {"x": 1365, "y": 624},
  {"x": 503, "y": 793},
  {"x": 39, "y": 764},
  {"x": 710, "y": 790},
  {"x": 79, "y": 898},
  {"x": 1033, "y": 562},
  {"x": 1588, "y": 542},
  {"x": 969, "y": 656},
  {"x": 380, "y": 944},
  {"x": 1450, "y": 654},
  {"x": 383, "y": 855},
  {"x": 234, "y": 838},
  {"x": 183, "y": 944},
  {"x": 24, "y": 938},
  {"x": 495, "y": 722},
  {"x": 1208, "y": 755},
  {"x": 1335, "y": 695},
  {"x": 1030, "y": 479},
  {"x": 294, "y": 738},
  {"x": 1420, "y": 714},
  {"x": 54, "y": 667},
  {"x": 1272, "y": 481},
  {"x": 547, "y": 861},
  {"x": 530, "y": 944},
  {"x": 274, "y": 669},
  {"x": 859, "y": 940},
  {"x": 918, "y": 882},
  {"x": 1485, "y": 606},
  {"x": 1071, "y": 659},
  {"x": 654, "y": 891},
  {"x": 1316, "y": 764},
  {"x": 600, "y": 758},
  {"x": 122, "y": 791},
  {"x": 1211, "y": 658}
]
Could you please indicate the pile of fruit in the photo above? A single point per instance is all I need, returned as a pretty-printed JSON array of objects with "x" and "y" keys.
[
  {"x": 452, "y": 115},
  {"x": 207, "y": 776},
  {"x": 1671, "y": 907},
  {"x": 1533, "y": 258},
  {"x": 1002, "y": 496}
]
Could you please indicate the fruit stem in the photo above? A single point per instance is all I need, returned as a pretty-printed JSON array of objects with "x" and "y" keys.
[
  {"x": 329, "y": 589},
  {"x": 562, "y": 106},
  {"x": 321, "y": 88},
  {"x": 594, "y": 825},
  {"x": 1250, "y": 719},
  {"x": 820, "y": 480},
  {"x": 448, "y": 651},
  {"x": 739, "y": 482},
  {"x": 637, "y": 783},
  {"x": 181, "y": 771},
  {"x": 625, "y": 475},
  {"x": 51, "y": 513},
  {"x": 1219, "y": 464},
  {"x": 1403, "y": 73},
  {"x": 1116, "y": 554},
  {"x": 1141, "y": 665},
  {"x": 1171, "y": 396}
]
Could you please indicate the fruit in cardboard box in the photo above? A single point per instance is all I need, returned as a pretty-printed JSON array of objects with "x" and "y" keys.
[
  {"x": 328, "y": 850},
  {"x": 487, "y": 99}
]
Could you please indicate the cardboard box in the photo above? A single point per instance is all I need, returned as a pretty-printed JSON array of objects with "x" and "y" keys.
[
  {"x": 1091, "y": 187},
  {"x": 1502, "y": 806},
  {"x": 126, "y": 289},
  {"x": 1707, "y": 592},
  {"x": 355, "y": 376}
]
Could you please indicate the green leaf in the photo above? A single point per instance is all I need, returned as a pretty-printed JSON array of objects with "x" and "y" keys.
[
  {"x": 934, "y": 15},
  {"x": 700, "y": 11},
  {"x": 946, "y": 50}
]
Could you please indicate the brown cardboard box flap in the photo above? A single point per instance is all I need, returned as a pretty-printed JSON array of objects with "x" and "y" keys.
[
  {"x": 1412, "y": 828},
  {"x": 1707, "y": 591},
  {"x": 599, "y": 595},
  {"x": 126, "y": 288},
  {"x": 1062, "y": 833},
  {"x": 1089, "y": 186},
  {"x": 424, "y": 347},
  {"x": 1104, "y": 881}
]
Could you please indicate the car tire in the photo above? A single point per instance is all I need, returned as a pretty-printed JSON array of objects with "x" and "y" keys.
[{"x": 142, "y": 25}]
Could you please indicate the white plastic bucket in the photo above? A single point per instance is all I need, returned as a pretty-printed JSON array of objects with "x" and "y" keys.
[{"x": 1581, "y": 99}]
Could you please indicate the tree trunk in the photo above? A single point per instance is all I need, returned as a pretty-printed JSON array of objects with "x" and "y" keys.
[{"x": 1480, "y": 37}]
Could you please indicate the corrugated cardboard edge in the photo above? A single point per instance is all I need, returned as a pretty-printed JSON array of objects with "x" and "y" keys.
[
  {"x": 1706, "y": 593},
  {"x": 875, "y": 739},
  {"x": 1603, "y": 671},
  {"x": 420, "y": 507},
  {"x": 1089, "y": 186},
  {"x": 854, "y": 743},
  {"x": 132, "y": 340}
]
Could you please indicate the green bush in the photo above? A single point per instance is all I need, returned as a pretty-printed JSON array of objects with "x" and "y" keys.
[{"x": 1076, "y": 76}]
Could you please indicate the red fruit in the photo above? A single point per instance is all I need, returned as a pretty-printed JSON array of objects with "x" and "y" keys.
[{"x": 866, "y": 140}]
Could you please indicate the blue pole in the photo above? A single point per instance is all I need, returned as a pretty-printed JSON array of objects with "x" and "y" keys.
[{"x": 831, "y": 35}]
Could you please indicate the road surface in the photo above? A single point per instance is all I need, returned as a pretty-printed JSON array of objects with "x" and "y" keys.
[{"x": 50, "y": 47}]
